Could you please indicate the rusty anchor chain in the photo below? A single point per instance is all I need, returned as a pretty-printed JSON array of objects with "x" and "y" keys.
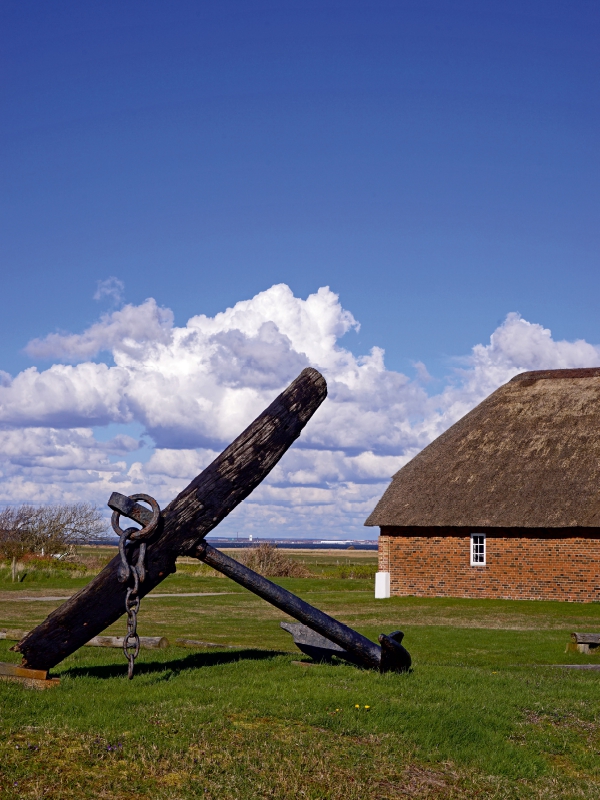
[{"x": 136, "y": 573}]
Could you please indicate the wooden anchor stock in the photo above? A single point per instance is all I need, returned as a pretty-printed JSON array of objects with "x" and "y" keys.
[
  {"x": 199, "y": 508},
  {"x": 183, "y": 525}
]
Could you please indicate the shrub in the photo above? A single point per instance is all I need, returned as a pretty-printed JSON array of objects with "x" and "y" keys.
[
  {"x": 267, "y": 560},
  {"x": 47, "y": 529}
]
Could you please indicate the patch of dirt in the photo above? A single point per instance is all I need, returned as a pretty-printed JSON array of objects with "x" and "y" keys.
[{"x": 11, "y": 596}]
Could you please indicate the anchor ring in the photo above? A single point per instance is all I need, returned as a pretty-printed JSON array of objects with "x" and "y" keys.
[{"x": 147, "y": 530}]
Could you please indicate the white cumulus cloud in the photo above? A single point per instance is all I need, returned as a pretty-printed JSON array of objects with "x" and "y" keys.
[
  {"x": 112, "y": 287},
  {"x": 194, "y": 388},
  {"x": 132, "y": 330}
]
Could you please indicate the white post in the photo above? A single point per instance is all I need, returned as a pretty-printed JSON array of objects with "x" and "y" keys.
[{"x": 382, "y": 585}]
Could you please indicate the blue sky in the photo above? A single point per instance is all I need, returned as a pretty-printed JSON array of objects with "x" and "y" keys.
[{"x": 435, "y": 164}]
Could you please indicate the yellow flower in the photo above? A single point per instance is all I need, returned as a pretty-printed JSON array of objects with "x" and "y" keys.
[
  {"x": 357, "y": 706},
  {"x": 367, "y": 707}
]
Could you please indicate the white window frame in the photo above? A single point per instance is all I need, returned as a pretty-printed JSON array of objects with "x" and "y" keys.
[{"x": 476, "y": 560}]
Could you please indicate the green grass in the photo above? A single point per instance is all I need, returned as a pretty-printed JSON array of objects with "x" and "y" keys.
[
  {"x": 482, "y": 714},
  {"x": 52, "y": 573}
]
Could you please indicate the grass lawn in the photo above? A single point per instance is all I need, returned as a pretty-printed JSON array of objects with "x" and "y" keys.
[{"x": 482, "y": 714}]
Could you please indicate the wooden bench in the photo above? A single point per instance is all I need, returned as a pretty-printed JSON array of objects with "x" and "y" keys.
[{"x": 584, "y": 643}]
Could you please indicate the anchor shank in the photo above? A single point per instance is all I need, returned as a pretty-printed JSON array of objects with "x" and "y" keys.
[{"x": 367, "y": 651}]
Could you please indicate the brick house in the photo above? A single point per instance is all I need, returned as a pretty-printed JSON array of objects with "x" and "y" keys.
[{"x": 506, "y": 502}]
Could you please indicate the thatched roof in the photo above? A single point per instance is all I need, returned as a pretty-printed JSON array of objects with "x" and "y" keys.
[{"x": 528, "y": 456}]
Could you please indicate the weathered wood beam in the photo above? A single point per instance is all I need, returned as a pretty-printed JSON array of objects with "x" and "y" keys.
[
  {"x": 15, "y": 671},
  {"x": 184, "y": 523},
  {"x": 33, "y": 678},
  {"x": 146, "y": 642},
  {"x": 13, "y": 635},
  {"x": 200, "y": 643},
  {"x": 586, "y": 638}
]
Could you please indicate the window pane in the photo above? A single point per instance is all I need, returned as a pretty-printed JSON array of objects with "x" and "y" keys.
[{"x": 477, "y": 548}]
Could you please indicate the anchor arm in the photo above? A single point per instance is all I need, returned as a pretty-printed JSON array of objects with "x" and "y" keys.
[{"x": 367, "y": 651}]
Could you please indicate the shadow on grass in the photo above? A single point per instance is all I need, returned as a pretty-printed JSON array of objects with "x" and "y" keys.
[{"x": 174, "y": 667}]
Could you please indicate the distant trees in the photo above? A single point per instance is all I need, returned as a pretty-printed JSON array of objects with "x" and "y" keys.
[{"x": 47, "y": 530}]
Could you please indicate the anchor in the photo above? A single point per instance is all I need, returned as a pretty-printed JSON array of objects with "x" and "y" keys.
[{"x": 180, "y": 530}]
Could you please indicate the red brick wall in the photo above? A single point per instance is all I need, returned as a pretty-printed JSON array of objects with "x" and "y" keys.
[{"x": 537, "y": 565}]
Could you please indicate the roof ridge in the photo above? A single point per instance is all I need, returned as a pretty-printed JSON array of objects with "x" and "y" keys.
[{"x": 554, "y": 374}]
